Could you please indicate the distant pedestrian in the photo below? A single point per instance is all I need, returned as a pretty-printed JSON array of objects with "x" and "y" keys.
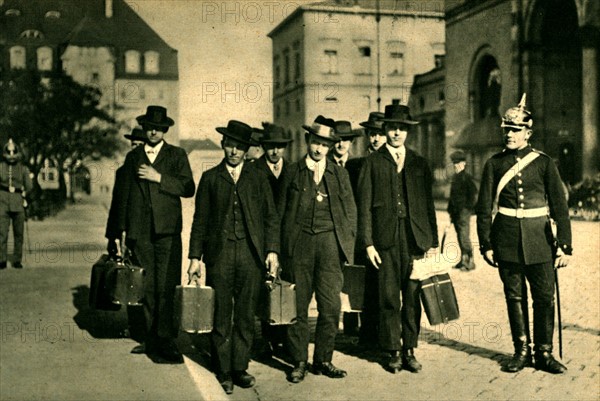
[
  {"x": 235, "y": 232},
  {"x": 525, "y": 186},
  {"x": 463, "y": 195},
  {"x": 15, "y": 184},
  {"x": 156, "y": 176}
]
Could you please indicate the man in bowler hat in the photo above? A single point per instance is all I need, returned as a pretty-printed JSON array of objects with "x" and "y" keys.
[
  {"x": 461, "y": 205},
  {"x": 235, "y": 232},
  {"x": 318, "y": 234},
  {"x": 525, "y": 185},
  {"x": 15, "y": 184},
  {"x": 156, "y": 176},
  {"x": 274, "y": 143},
  {"x": 397, "y": 224},
  {"x": 374, "y": 130}
]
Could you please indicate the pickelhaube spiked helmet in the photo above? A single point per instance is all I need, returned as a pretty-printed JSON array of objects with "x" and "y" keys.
[
  {"x": 518, "y": 117},
  {"x": 11, "y": 152}
]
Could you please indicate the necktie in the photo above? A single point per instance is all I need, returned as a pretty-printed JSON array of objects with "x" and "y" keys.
[
  {"x": 341, "y": 162},
  {"x": 150, "y": 152},
  {"x": 234, "y": 175},
  {"x": 399, "y": 161}
]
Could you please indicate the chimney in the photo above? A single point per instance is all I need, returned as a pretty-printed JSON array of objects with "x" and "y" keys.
[{"x": 108, "y": 8}]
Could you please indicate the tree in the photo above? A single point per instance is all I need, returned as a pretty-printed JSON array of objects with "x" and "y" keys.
[{"x": 55, "y": 118}]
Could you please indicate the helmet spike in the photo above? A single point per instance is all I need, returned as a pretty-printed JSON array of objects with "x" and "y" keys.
[{"x": 523, "y": 101}]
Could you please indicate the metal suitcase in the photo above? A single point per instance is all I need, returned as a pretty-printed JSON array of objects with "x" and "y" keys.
[
  {"x": 278, "y": 302},
  {"x": 99, "y": 297},
  {"x": 194, "y": 308},
  {"x": 439, "y": 299},
  {"x": 127, "y": 285},
  {"x": 354, "y": 287}
]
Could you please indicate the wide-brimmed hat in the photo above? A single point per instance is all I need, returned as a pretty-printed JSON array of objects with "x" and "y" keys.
[
  {"x": 458, "y": 156},
  {"x": 274, "y": 134},
  {"x": 323, "y": 128},
  {"x": 343, "y": 129},
  {"x": 374, "y": 123},
  {"x": 398, "y": 113},
  {"x": 137, "y": 134},
  {"x": 157, "y": 116},
  {"x": 518, "y": 117},
  {"x": 239, "y": 131}
]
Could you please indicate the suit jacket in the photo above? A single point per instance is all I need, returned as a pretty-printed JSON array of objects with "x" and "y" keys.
[
  {"x": 112, "y": 223},
  {"x": 295, "y": 198},
  {"x": 142, "y": 198},
  {"x": 463, "y": 194},
  {"x": 354, "y": 166},
  {"x": 214, "y": 200},
  {"x": 377, "y": 200},
  {"x": 275, "y": 182},
  {"x": 13, "y": 201},
  {"x": 538, "y": 185}
]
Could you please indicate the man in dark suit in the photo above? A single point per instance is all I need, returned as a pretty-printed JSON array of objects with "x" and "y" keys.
[
  {"x": 525, "y": 185},
  {"x": 396, "y": 225},
  {"x": 236, "y": 233},
  {"x": 272, "y": 163},
  {"x": 463, "y": 195},
  {"x": 318, "y": 235},
  {"x": 156, "y": 176},
  {"x": 374, "y": 130}
]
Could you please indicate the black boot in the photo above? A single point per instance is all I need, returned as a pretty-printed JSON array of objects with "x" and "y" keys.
[
  {"x": 520, "y": 359},
  {"x": 519, "y": 327},
  {"x": 546, "y": 362},
  {"x": 409, "y": 362},
  {"x": 394, "y": 364}
]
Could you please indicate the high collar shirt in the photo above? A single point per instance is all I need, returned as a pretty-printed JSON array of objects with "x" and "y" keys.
[{"x": 152, "y": 152}]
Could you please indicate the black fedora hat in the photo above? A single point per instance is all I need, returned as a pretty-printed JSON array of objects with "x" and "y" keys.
[
  {"x": 274, "y": 134},
  {"x": 239, "y": 131},
  {"x": 374, "y": 123},
  {"x": 323, "y": 128},
  {"x": 157, "y": 116},
  {"x": 343, "y": 129},
  {"x": 458, "y": 156},
  {"x": 398, "y": 113},
  {"x": 137, "y": 134}
]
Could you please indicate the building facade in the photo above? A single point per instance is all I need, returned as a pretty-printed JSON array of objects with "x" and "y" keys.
[
  {"x": 343, "y": 59},
  {"x": 103, "y": 43},
  {"x": 499, "y": 49}
]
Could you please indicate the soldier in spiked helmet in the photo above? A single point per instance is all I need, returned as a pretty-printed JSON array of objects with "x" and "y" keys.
[{"x": 525, "y": 186}]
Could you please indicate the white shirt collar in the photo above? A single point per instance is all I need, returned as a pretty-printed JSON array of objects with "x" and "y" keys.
[
  {"x": 272, "y": 166},
  {"x": 343, "y": 158},
  {"x": 155, "y": 150},
  {"x": 237, "y": 169},
  {"x": 401, "y": 150},
  {"x": 319, "y": 166}
]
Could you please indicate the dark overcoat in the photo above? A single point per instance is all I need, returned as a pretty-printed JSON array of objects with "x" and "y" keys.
[
  {"x": 526, "y": 240},
  {"x": 378, "y": 196},
  {"x": 275, "y": 182},
  {"x": 463, "y": 194},
  {"x": 295, "y": 198},
  {"x": 213, "y": 203}
]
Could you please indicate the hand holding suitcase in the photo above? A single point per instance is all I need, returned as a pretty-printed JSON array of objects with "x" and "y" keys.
[
  {"x": 194, "y": 307},
  {"x": 278, "y": 302}
]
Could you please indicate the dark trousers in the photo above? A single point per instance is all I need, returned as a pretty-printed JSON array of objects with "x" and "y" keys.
[
  {"x": 18, "y": 223},
  {"x": 236, "y": 279},
  {"x": 160, "y": 256},
  {"x": 540, "y": 277},
  {"x": 369, "y": 318},
  {"x": 462, "y": 225},
  {"x": 316, "y": 268},
  {"x": 399, "y": 316}
]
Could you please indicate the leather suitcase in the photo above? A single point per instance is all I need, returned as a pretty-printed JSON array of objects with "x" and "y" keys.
[
  {"x": 278, "y": 302},
  {"x": 127, "y": 285},
  {"x": 354, "y": 287},
  {"x": 194, "y": 308},
  {"x": 99, "y": 297},
  {"x": 439, "y": 299}
]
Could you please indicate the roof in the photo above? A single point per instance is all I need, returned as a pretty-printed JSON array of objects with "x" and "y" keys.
[
  {"x": 365, "y": 7},
  {"x": 191, "y": 145},
  {"x": 83, "y": 23},
  {"x": 432, "y": 76}
]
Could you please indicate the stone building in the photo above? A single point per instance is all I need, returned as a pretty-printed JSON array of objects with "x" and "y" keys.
[
  {"x": 344, "y": 59},
  {"x": 498, "y": 49},
  {"x": 97, "y": 42}
]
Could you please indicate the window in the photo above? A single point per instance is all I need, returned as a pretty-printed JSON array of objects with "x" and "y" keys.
[
  {"x": 286, "y": 68},
  {"x": 277, "y": 72},
  {"x": 396, "y": 63},
  {"x": 298, "y": 66},
  {"x": 44, "y": 58},
  {"x": 277, "y": 111},
  {"x": 298, "y": 105},
  {"x": 422, "y": 103},
  {"x": 132, "y": 62},
  {"x": 364, "y": 60},
  {"x": 151, "y": 62},
  {"x": 331, "y": 62},
  {"x": 17, "y": 57},
  {"x": 287, "y": 107}
]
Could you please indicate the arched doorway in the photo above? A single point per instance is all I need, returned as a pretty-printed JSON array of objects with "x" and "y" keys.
[{"x": 554, "y": 82}]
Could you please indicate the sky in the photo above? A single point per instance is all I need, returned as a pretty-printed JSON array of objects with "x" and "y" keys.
[{"x": 225, "y": 59}]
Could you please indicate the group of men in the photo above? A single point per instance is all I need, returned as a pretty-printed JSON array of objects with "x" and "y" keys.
[{"x": 306, "y": 220}]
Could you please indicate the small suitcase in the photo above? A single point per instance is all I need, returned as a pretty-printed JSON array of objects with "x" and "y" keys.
[
  {"x": 278, "y": 302},
  {"x": 99, "y": 297},
  {"x": 439, "y": 299},
  {"x": 194, "y": 308},
  {"x": 127, "y": 285},
  {"x": 354, "y": 286}
]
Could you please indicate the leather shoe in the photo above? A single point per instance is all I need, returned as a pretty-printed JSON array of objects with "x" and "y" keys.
[
  {"x": 226, "y": 382},
  {"x": 327, "y": 369},
  {"x": 394, "y": 365},
  {"x": 243, "y": 379},
  {"x": 168, "y": 353},
  {"x": 409, "y": 362},
  {"x": 139, "y": 349},
  {"x": 299, "y": 372},
  {"x": 518, "y": 361},
  {"x": 546, "y": 362},
  {"x": 18, "y": 265}
]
